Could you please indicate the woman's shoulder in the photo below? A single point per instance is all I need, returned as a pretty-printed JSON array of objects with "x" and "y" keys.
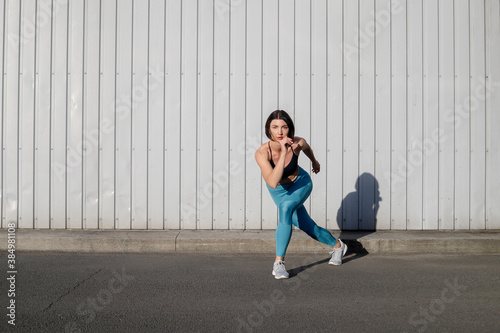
[
  {"x": 262, "y": 154},
  {"x": 262, "y": 149},
  {"x": 262, "y": 146}
]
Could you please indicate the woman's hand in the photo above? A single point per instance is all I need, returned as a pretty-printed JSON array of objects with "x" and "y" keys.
[
  {"x": 315, "y": 166},
  {"x": 285, "y": 143}
]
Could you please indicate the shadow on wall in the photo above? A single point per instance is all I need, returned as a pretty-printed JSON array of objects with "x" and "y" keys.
[{"x": 358, "y": 211}]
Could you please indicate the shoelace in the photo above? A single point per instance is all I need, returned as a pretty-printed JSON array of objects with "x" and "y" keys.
[{"x": 280, "y": 266}]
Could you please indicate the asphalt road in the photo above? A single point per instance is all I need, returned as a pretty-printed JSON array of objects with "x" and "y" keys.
[{"x": 201, "y": 293}]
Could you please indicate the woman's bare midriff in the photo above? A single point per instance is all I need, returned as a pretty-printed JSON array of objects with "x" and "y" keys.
[{"x": 289, "y": 179}]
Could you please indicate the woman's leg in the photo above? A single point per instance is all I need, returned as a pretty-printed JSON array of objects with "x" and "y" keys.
[
  {"x": 288, "y": 201},
  {"x": 304, "y": 222}
]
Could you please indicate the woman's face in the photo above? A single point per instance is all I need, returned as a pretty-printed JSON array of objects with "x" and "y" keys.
[{"x": 279, "y": 129}]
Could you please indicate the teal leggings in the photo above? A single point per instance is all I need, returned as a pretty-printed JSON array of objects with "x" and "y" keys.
[{"x": 290, "y": 199}]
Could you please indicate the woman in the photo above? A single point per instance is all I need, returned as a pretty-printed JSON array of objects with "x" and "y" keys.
[{"x": 290, "y": 186}]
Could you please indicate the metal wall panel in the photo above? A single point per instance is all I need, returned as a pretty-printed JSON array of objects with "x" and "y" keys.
[
  {"x": 237, "y": 116},
  {"x": 414, "y": 113},
  {"x": 303, "y": 71},
  {"x": 59, "y": 131},
  {"x": 383, "y": 108},
  {"x": 490, "y": 94},
  {"x": 107, "y": 103},
  {"x": 42, "y": 112},
  {"x": 91, "y": 111},
  {"x": 333, "y": 164},
  {"x": 205, "y": 184},
  {"x": 446, "y": 137},
  {"x": 189, "y": 124},
  {"x": 3, "y": 18},
  {"x": 477, "y": 116},
  {"x": 26, "y": 113},
  {"x": 145, "y": 114},
  {"x": 318, "y": 109},
  {"x": 254, "y": 115},
  {"x": 11, "y": 112},
  {"x": 365, "y": 181},
  {"x": 350, "y": 109},
  {"x": 156, "y": 119},
  {"x": 430, "y": 115},
  {"x": 173, "y": 207},
  {"x": 270, "y": 91},
  {"x": 124, "y": 108},
  {"x": 140, "y": 111},
  {"x": 221, "y": 130},
  {"x": 400, "y": 167},
  {"x": 462, "y": 114}
]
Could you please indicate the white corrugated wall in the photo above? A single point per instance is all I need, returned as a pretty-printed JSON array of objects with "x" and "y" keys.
[{"x": 145, "y": 114}]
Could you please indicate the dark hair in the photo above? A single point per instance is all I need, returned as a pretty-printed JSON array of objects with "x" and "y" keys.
[{"x": 280, "y": 114}]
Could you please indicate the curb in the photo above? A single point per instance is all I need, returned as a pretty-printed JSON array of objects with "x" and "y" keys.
[{"x": 249, "y": 241}]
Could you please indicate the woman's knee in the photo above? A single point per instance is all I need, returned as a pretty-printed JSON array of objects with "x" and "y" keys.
[{"x": 286, "y": 209}]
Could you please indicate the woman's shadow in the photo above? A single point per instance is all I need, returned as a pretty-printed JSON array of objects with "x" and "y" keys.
[{"x": 357, "y": 215}]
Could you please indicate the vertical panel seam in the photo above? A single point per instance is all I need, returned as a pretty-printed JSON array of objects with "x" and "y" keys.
[
  {"x": 131, "y": 128},
  {"x": 67, "y": 117},
  {"x": 485, "y": 216},
  {"x": 50, "y": 112},
  {"x": 277, "y": 58},
  {"x": 261, "y": 100},
  {"x": 406, "y": 116},
  {"x": 18, "y": 157},
  {"x": 422, "y": 86},
  {"x": 359, "y": 190},
  {"x": 454, "y": 121},
  {"x": 228, "y": 221},
  {"x": 469, "y": 139},
  {"x": 326, "y": 116},
  {"x": 391, "y": 137},
  {"x": 99, "y": 144},
  {"x": 164, "y": 165},
  {"x": 375, "y": 142},
  {"x": 35, "y": 86},
  {"x": 245, "y": 116},
  {"x": 341, "y": 224},
  {"x": 294, "y": 56},
  {"x": 180, "y": 117},
  {"x": 2, "y": 115},
  {"x": 83, "y": 178},
  {"x": 213, "y": 117},
  {"x": 310, "y": 83},
  {"x": 197, "y": 180},
  {"x": 439, "y": 222},
  {"x": 114, "y": 119},
  {"x": 148, "y": 224}
]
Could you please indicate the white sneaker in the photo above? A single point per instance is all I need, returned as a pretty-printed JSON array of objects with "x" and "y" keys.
[
  {"x": 279, "y": 270},
  {"x": 337, "y": 254}
]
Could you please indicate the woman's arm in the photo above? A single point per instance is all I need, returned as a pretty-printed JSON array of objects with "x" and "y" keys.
[
  {"x": 271, "y": 175},
  {"x": 309, "y": 153}
]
